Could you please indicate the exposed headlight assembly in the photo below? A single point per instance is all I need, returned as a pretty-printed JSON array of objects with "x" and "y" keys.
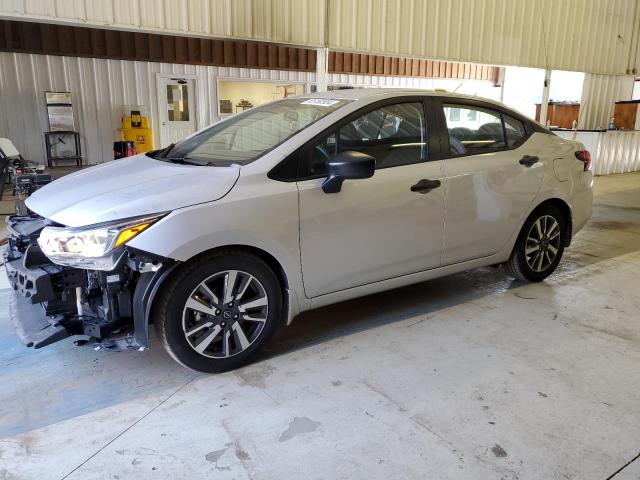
[{"x": 96, "y": 247}]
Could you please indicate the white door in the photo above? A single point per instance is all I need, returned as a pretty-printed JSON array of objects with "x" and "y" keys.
[
  {"x": 377, "y": 228},
  {"x": 176, "y": 99},
  {"x": 491, "y": 180}
]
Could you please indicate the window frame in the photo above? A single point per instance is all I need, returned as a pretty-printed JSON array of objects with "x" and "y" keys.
[
  {"x": 444, "y": 145},
  {"x": 283, "y": 171}
]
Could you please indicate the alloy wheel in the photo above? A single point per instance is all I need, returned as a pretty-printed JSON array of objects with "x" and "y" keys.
[
  {"x": 543, "y": 243},
  {"x": 225, "y": 314}
]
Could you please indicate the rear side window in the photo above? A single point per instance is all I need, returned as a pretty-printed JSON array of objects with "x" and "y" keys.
[
  {"x": 473, "y": 129},
  {"x": 516, "y": 132}
]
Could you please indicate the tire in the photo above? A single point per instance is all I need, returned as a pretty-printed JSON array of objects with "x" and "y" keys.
[
  {"x": 539, "y": 264},
  {"x": 207, "y": 327}
]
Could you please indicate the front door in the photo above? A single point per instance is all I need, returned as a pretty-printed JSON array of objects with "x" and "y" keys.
[
  {"x": 490, "y": 183},
  {"x": 377, "y": 228},
  {"x": 176, "y": 108}
]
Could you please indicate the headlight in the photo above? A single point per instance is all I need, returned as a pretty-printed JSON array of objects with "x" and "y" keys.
[{"x": 94, "y": 247}]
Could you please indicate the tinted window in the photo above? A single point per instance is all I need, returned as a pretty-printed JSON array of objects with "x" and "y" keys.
[
  {"x": 394, "y": 135},
  {"x": 473, "y": 129},
  {"x": 516, "y": 132}
]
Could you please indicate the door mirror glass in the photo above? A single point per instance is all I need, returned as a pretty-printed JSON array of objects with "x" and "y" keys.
[{"x": 349, "y": 165}]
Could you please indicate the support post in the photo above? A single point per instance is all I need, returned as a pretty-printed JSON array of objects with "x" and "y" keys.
[
  {"x": 545, "y": 97},
  {"x": 322, "y": 69}
]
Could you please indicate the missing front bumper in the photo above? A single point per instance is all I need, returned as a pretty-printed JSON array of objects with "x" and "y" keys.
[{"x": 33, "y": 327}]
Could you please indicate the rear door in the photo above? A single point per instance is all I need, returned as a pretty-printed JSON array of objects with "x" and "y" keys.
[
  {"x": 376, "y": 228},
  {"x": 492, "y": 175}
]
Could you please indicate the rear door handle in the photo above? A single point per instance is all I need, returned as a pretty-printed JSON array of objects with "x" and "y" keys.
[
  {"x": 425, "y": 185},
  {"x": 528, "y": 160}
]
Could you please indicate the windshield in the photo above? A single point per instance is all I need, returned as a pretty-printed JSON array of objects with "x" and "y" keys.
[{"x": 248, "y": 135}]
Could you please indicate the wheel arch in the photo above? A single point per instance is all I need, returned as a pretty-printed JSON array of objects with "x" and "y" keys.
[
  {"x": 565, "y": 208},
  {"x": 149, "y": 284}
]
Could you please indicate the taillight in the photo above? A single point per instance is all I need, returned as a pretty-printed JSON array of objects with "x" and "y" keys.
[{"x": 585, "y": 157}]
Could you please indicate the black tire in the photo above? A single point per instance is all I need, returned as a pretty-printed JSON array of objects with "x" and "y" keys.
[
  {"x": 519, "y": 264},
  {"x": 170, "y": 306}
]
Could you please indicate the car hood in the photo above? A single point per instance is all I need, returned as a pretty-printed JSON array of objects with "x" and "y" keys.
[{"x": 129, "y": 187}]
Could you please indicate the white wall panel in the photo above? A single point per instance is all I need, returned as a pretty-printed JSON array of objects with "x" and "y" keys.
[
  {"x": 611, "y": 152},
  {"x": 599, "y": 94},
  {"x": 99, "y": 89},
  {"x": 581, "y": 35},
  {"x": 299, "y": 22}
]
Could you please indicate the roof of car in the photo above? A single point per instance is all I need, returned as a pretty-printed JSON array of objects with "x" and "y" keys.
[
  {"x": 370, "y": 93},
  {"x": 361, "y": 93}
]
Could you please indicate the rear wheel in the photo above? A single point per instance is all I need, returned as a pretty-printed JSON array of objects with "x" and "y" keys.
[
  {"x": 214, "y": 313},
  {"x": 539, "y": 247}
]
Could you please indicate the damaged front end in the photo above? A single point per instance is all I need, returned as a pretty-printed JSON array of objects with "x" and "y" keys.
[{"x": 50, "y": 302}]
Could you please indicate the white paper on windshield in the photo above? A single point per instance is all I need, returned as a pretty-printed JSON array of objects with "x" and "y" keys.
[{"x": 321, "y": 102}]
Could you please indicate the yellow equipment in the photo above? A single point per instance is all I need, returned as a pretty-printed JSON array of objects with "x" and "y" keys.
[{"x": 135, "y": 128}]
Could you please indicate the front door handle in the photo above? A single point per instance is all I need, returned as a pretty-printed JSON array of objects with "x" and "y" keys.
[
  {"x": 528, "y": 160},
  {"x": 425, "y": 185}
]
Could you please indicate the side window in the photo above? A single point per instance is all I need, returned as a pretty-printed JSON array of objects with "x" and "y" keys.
[
  {"x": 516, "y": 132},
  {"x": 473, "y": 129},
  {"x": 394, "y": 135}
]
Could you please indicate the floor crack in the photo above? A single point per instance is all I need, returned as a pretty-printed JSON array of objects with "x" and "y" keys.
[
  {"x": 131, "y": 426},
  {"x": 623, "y": 467}
]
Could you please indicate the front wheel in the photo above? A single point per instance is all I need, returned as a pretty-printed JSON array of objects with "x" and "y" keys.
[
  {"x": 539, "y": 247},
  {"x": 218, "y": 310}
]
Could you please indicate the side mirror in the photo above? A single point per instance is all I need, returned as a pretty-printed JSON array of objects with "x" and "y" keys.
[{"x": 349, "y": 165}]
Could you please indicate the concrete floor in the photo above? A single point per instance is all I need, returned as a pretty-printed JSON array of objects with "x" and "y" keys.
[{"x": 473, "y": 376}]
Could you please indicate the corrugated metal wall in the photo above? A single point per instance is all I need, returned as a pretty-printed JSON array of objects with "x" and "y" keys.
[
  {"x": 599, "y": 94},
  {"x": 300, "y": 22},
  {"x": 100, "y": 88},
  {"x": 596, "y": 36},
  {"x": 611, "y": 152},
  {"x": 582, "y": 35}
]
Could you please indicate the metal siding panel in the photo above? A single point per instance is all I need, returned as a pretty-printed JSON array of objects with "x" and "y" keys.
[
  {"x": 199, "y": 16},
  {"x": 70, "y": 9},
  {"x": 175, "y": 15},
  {"x": 12, "y": 7},
  {"x": 39, "y": 8},
  {"x": 126, "y": 13},
  {"x": 580, "y": 35},
  {"x": 99, "y": 12},
  {"x": 599, "y": 93},
  {"x": 151, "y": 15}
]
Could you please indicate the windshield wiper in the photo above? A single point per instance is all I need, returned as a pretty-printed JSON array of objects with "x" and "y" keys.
[
  {"x": 184, "y": 161},
  {"x": 165, "y": 151}
]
